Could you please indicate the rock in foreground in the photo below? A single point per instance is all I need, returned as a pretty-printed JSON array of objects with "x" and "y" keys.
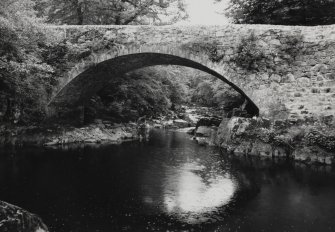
[{"x": 15, "y": 219}]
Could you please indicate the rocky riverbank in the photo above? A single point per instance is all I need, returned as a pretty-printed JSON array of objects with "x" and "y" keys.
[
  {"x": 96, "y": 133},
  {"x": 15, "y": 219},
  {"x": 200, "y": 122},
  {"x": 304, "y": 141},
  {"x": 308, "y": 141},
  {"x": 101, "y": 132}
]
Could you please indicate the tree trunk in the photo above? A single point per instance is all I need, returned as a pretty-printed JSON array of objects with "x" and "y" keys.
[
  {"x": 9, "y": 110},
  {"x": 304, "y": 13},
  {"x": 117, "y": 20},
  {"x": 80, "y": 13}
]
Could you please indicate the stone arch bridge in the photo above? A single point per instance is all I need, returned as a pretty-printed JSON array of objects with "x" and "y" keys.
[{"x": 110, "y": 51}]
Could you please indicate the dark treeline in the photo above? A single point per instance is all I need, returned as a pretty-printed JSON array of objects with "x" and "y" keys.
[{"x": 282, "y": 12}]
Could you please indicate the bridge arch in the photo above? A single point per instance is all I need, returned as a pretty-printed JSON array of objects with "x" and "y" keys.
[{"x": 92, "y": 74}]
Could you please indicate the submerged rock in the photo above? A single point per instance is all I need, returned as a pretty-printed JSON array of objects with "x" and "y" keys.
[{"x": 15, "y": 219}]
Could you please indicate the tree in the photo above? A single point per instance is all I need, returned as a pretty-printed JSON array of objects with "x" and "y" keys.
[
  {"x": 24, "y": 75},
  {"x": 117, "y": 12},
  {"x": 284, "y": 12},
  {"x": 204, "y": 94},
  {"x": 134, "y": 94}
]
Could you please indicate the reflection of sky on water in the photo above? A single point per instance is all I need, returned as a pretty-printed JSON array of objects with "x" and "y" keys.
[{"x": 190, "y": 191}]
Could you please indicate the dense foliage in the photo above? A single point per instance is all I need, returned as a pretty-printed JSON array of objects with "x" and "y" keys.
[
  {"x": 84, "y": 12},
  {"x": 138, "y": 93},
  {"x": 248, "y": 53},
  {"x": 25, "y": 78},
  {"x": 284, "y": 12},
  {"x": 156, "y": 90}
]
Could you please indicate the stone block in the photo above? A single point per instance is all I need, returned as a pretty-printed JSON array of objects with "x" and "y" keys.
[
  {"x": 330, "y": 76},
  {"x": 319, "y": 77},
  {"x": 265, "y": 76},
  {"x": 275, "y": 77},
  {"x": 275, "y": 42},
  {"x": 319, "y": 68},
  {"x": 289, "y": 78},
  {"x": 304, "y": 80}
]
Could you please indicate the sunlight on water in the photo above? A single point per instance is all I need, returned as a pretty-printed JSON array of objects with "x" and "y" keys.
[{"x": 189, "y": 193}]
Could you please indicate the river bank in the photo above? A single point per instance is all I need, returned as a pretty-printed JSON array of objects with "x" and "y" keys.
[
  {"x": 99, "y": 131},
  {"x": 310, "y": 142},
  {"x": 60, "y": 135}
]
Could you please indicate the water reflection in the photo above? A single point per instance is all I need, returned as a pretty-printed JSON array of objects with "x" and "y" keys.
[
  {"x": 190, "y": 191},
  {"x": 186, "y": 182},
  {"x": 167, "y": 184},
  {"x": 187, "y": 191}
]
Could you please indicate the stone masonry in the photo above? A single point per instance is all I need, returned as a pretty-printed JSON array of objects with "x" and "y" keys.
[{"x": 290, "y": 71}]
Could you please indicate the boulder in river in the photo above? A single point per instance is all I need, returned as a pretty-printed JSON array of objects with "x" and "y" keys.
[
  {"x": 209, "y": 121},
  {"x": 203, "y": 131},
  {"x": 180, "y": 123}
]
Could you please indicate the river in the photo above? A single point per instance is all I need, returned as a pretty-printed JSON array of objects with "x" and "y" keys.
[{"x": 168, "y": 183}]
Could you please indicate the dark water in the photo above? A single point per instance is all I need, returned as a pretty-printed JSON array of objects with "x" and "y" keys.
[{"x": 167, "y": 184}]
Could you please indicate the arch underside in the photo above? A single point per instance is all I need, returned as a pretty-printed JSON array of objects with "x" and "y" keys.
[{"x": 87, "y": 83}]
